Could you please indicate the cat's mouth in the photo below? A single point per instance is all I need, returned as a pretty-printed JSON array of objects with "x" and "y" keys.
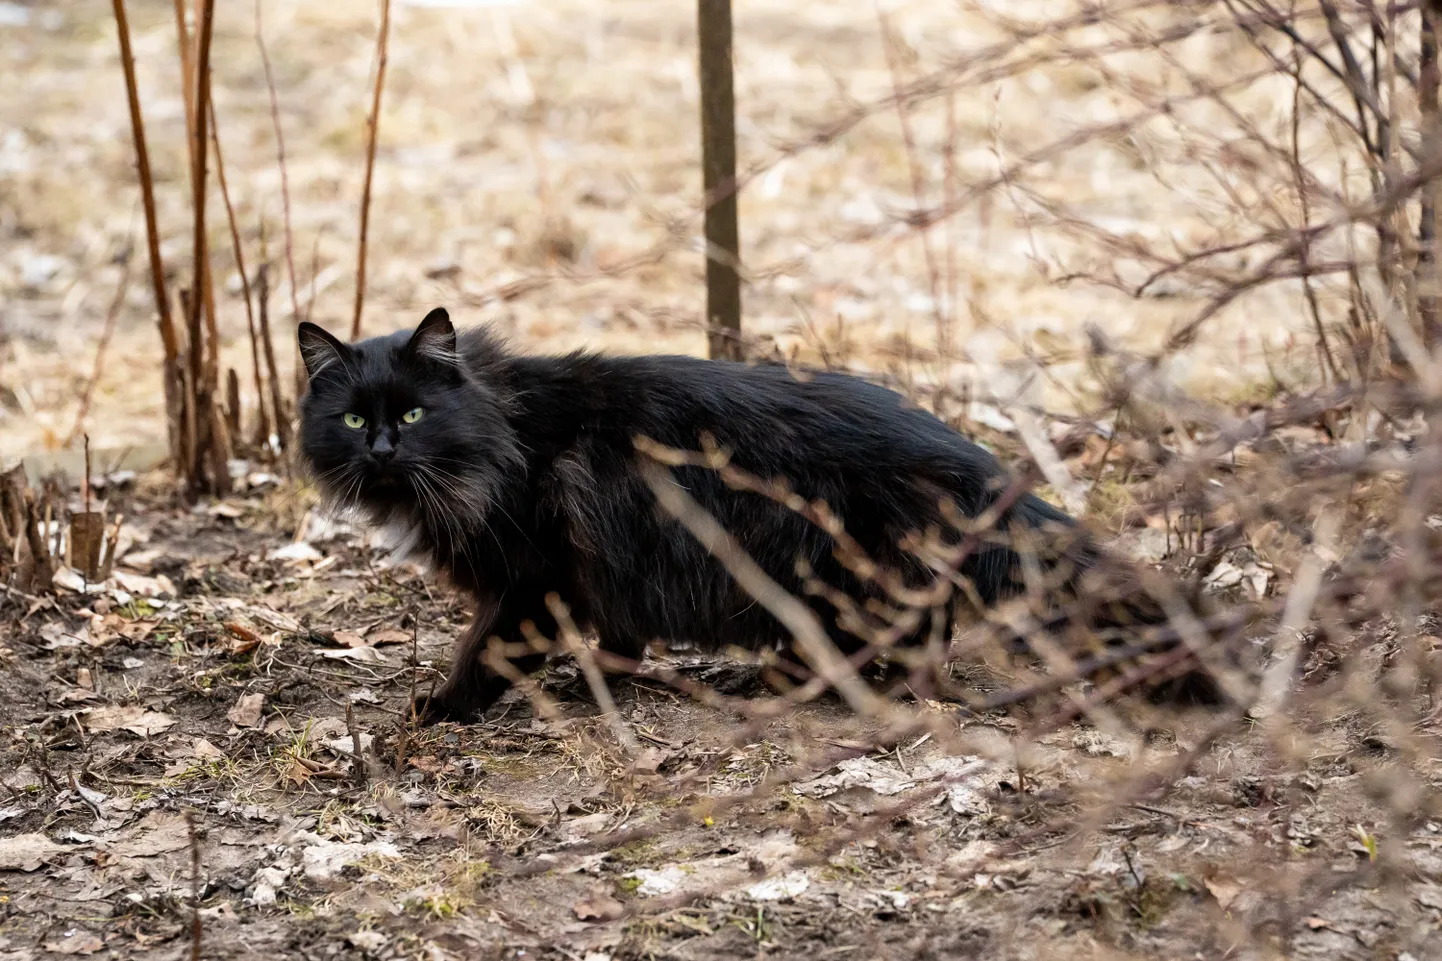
[{"x": 387, "y": 484}]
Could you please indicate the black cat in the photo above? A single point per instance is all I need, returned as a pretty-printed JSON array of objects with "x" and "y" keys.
[{"x": 519, "y": 476}]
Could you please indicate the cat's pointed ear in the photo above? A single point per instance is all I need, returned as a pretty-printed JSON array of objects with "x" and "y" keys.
[
  {"x": 318, "y": 349},
  {"x": 434, "y": 339}
]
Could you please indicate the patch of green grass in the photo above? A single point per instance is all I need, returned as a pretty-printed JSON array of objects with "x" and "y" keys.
[
  {"x": 842, "y": 868},
  {"x": 1153, "y": 900},
  {"x": 138, "y": 609},
  {"x": 635, "y": 852},
  {"x": 438, "y": 905},
  {"x": 217, "y": 769}
]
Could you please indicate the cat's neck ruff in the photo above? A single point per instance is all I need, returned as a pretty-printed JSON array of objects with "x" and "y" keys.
[{"x": 404, "y": 539}]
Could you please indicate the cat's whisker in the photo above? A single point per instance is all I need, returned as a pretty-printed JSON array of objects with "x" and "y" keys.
[{"x": 434, "y": 507}]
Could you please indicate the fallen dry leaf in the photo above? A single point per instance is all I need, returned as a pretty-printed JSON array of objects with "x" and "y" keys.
[
  {"x": 372, "y": 942},
  {"x": 649, "y": 761},
  {"x": 246, "y": 712},
  {"x": 245, "y": 640},
  {"x": 589, "y": 824},
  {"x": 1224, "y": 889},
  {"x": 143, "y": 586},
  {"x": 57, "y": 636},
  {"x": 388, "y": 636},
  {"x": 156, "y": 834},
  {"x": 136, "y": 720},
  {"x": 325, "y": 859},
  {"x": 348, "y": 639},
  {"x": 205, "y": 751},
  {"x": 143, "y": 561},
  {"x": 345, "y": 745},
  {"x": 601, "y": 908},
  {"x": 780, "y": 889},
  {"x": 104, "y": 629},
  {"x": 74, "y": 581},
  {"x": 297, "y": 773},
  {"x": 136, "y": 630},
  {"x": 298, "y": 552},
  {"x": 275, "y": 619},
  {"x": 364, "y": 654},
  {"x": 653, "y": 883},
  {"x": 81, "y": 942},
  {"x": 26, "y": 852}
]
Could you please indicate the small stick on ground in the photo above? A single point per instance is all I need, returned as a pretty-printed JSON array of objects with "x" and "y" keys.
[
  {"x": 357, "y": 764},
  {"x": 409, "y": 723},
  {"x": 194, "y": 887}
]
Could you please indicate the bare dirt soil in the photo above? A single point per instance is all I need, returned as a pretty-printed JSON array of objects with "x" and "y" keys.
[{"x": 209, "y": 681}]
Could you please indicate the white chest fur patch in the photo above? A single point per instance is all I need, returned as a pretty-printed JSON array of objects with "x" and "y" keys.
[{"x": 400, "y": 539}]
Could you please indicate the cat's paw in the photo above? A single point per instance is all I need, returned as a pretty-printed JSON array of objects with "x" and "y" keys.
[{"x": 437, "y": 708}]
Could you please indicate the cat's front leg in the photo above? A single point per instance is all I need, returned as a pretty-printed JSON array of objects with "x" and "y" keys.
[{"x": 493, "y": 651}]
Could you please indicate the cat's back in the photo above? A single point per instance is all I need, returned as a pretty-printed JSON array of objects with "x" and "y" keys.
[{"x": 764, "y": 412}]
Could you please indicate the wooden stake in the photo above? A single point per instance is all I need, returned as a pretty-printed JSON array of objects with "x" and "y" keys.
[{"x": 718, "y": 164}]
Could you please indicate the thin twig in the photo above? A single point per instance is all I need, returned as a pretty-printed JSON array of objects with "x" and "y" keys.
[
  {"x": 195, "y": 930},
  {"x": 372, "y": 135},
  {"x": 263, "y": 419},
  {"x": 280, "y": 160},
  {"x": 277, "y": 401},
  {"x": 107, "y": 332},
  {"x": 571, "y": 638},
  {"x": 358, "y": 758},
  {"x": 797, "y": 618}
]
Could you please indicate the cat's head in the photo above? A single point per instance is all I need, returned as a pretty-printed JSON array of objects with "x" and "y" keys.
[{"x": 405, "y": 427}]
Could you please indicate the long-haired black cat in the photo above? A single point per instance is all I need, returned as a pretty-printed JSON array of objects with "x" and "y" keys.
[{"x": 519, "y": 476}]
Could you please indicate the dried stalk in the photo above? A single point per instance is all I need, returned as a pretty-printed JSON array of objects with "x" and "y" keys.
[
  {"x": 262, "y": 427},
  {"x": 211, "y": 442},
  {"x": 572, "y": 641},
  {"x": 112, "y": 314},
  {"x": 280, "y": 159},
  {"x": 372, "y": 134},
  {"x": 277, "y": 402},
  {"x": 168, "y": 336},
  {"x": 1429, "y": 78}
]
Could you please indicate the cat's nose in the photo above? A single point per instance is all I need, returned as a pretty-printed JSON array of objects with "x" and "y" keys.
[{"x": 381, "y": 450}]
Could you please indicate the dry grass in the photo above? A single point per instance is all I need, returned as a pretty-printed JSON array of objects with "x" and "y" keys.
[{"x": 528, "y": 152}]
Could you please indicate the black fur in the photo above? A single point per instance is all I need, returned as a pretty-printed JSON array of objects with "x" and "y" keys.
[{"x": 521, "y": 478}]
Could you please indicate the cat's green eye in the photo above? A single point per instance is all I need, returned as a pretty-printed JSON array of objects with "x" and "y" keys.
[
  {"x": 355, "y": 421},
  {"x": 413, "y": 415}
]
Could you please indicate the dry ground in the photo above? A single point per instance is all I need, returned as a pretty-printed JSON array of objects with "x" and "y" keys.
[{"x": 219, "y": 688}]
